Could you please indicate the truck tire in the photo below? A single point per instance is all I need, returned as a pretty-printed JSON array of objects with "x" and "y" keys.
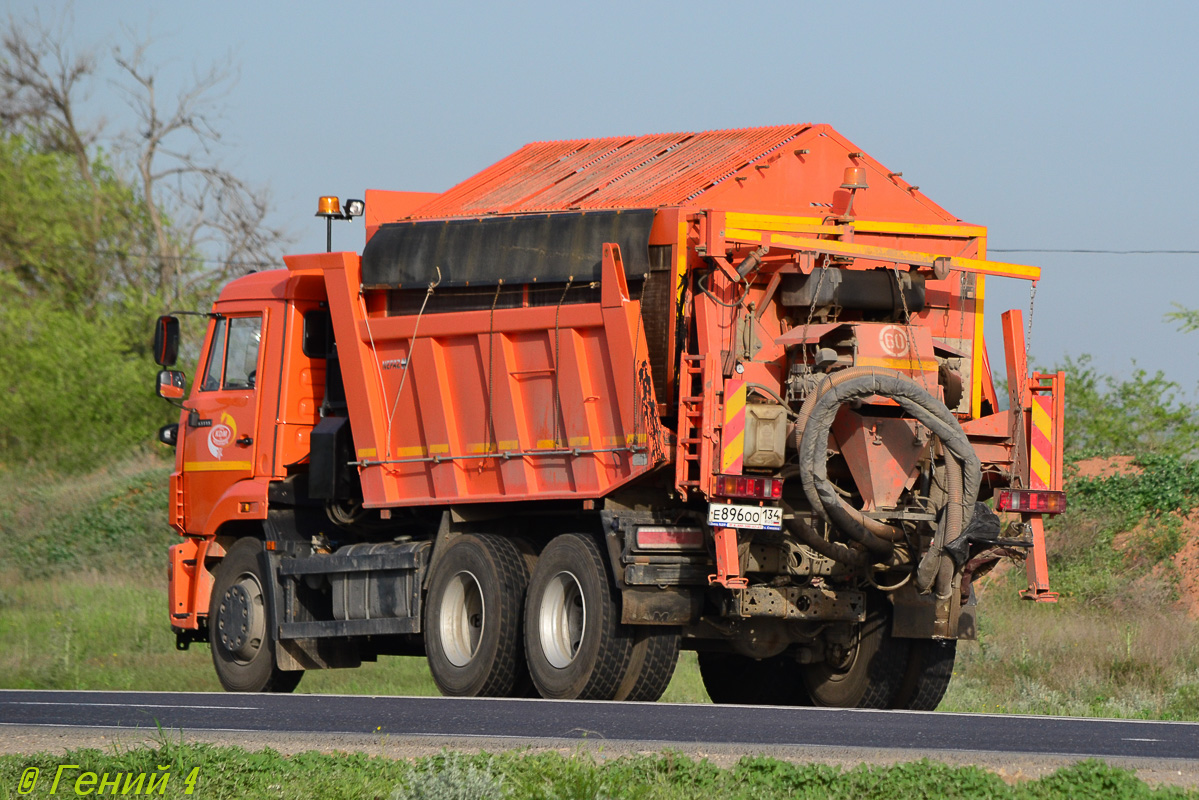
[
  {"x": 240, "y": 623},
  {"x": 866, "y": 674},
  {"x": 651, "y": 665},
  {"x": 930, "y": 668},
  {"x": 575, "y": 644},
  {"x": 736, "y": 679},
  {"x": 473, "y": 616}
]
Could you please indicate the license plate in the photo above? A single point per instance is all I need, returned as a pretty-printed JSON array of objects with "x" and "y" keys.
[{"x": 726, "y": 515}]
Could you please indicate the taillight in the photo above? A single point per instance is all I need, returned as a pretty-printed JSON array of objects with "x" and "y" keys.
[
  {"x": 661, "y": 537},
  {"x": 741, "y": 486},
  {"x": 1030, "y": 501}
]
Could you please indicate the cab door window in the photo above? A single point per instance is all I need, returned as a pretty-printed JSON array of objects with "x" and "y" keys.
[{"x": 233, "y": 357}]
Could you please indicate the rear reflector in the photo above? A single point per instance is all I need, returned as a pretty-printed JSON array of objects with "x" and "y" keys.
[
  {"x": 741, "y": 486},
  {"x": 1030, "y": 501},
  {"x": 660, "y": 537}
]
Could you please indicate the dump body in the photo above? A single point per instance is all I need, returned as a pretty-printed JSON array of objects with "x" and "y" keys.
[{"x": 726, "y": 391}]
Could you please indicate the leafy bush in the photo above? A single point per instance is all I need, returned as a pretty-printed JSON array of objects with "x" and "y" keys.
[
  {"x": 76, "y": 395},
  {"x": 1163, "y": 484},
  {"x": 1141, "y": 415},
  {"x": 451, "y": 777}
]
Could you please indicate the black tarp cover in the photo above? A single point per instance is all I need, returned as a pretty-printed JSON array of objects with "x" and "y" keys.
[{"x": 541, "y": 248}]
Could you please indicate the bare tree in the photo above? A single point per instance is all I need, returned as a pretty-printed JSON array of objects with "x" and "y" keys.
[
  {"x": 206, "y": 223},
  {"x": 40, "y": 82},
  {"x": 210, "y": 209}
]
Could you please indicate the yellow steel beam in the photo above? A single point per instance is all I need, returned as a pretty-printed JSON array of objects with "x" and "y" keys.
[
  {"x": 815, "y": 225},
  {"x": 851, "y": 250}
]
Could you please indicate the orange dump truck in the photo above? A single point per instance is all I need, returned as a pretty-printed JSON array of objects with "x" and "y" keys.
[{"x": 606, "y": 400}]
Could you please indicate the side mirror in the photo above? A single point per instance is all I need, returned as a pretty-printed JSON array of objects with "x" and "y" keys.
[
  {"x": 169, "y": 434},
  {"x": 170, "y": 384},
  {"x": 166, "y": 341}
]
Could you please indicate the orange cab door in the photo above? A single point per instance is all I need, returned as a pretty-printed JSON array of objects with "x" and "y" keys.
[{"x": 221, "y": 439}]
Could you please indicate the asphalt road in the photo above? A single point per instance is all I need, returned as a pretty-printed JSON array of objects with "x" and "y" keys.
[{"x": 659, "y": 723}]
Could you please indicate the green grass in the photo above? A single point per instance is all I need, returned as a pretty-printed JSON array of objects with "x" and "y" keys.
[
  {"x": 228, "y": 772},
  {"x": 109, "y": 631},
  {"x": 1077, "y": 660},
  {"x": 83, "y": 606}
]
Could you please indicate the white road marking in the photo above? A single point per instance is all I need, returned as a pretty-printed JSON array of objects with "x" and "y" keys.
[
  {"x": 1139, "y": 740},
  {"x": 122, "y": 705}
]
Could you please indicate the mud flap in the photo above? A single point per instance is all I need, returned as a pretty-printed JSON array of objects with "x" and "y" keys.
[{"x": 914, "y": 614}]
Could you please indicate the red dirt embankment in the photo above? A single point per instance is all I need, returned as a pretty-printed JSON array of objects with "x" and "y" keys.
[{"x": 1186, "y": 560}]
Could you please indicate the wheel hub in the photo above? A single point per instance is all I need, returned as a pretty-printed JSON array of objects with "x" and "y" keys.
[
  {"x": 841, "y": 653},
  {"x": 563, "y": 619},
  {"x": 462, "y": 618},
  {"x": 241, "y": 622}
]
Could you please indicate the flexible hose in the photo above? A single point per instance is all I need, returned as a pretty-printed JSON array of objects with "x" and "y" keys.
[
  {"x": 812, "y": 428},
  {"x": 872, "y": 534},
  {"x": 834, "y": 550},
  {"x": 948, "y": 531}
]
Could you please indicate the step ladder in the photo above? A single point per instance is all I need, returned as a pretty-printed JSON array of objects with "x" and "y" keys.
[{"x": 699, "y": 426}]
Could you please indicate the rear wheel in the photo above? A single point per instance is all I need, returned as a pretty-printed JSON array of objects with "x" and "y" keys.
[
  {"x": 239, "y": 625},
  {"x": 740, "y": 680},
  {"x": 930, "y": 668},
  {"x": 575, "y": 644},
  {"x": 865, "y": 668},
  {"x": 473, "y": 615},
  {"x": 655, "y": 654}
]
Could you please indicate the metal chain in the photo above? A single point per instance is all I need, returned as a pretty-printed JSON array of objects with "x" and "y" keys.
[
  {"x": 907, "y": 315},
  {"x": 491, "y": 366},
  {"x": 557, "y": 392},
  {"x": 636, "y": 384},
  {"x": 812, "y": 313},
  {"x": 962, "y": 308},
  {"x": 408, "y": 361},
  {"x": 1032, "y": 306}
]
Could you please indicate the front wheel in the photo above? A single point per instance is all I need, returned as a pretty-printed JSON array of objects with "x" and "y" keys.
[
  {"x": 576, "y": 646},
  {"x": 239, "y": 625}
]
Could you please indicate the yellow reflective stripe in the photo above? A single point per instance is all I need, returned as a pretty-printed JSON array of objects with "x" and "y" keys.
[
  {"x": 1041, "y": 420},
  {"x": 1040, "y": 467},
  {"x": 216, "y": 466},
  {"x": 367, "y": 452},
  {"x": 488, "y": 447},
  {"x": 733, "y": 452},
  {"x": 625, "y": 440},
  {"x": 418, "y": 451},
  {"x": 923, "y": 365}
]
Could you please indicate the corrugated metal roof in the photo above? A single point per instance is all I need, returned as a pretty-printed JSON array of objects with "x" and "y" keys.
[{"x": 617, "y": 172}]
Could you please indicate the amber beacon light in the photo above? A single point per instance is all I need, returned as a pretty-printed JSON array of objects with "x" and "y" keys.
[{"x": 329, "y": 207}]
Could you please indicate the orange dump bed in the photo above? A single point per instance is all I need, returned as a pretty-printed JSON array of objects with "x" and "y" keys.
[
  {"x": 522, "y": 335},
  {"x": 516, "y": 403}
]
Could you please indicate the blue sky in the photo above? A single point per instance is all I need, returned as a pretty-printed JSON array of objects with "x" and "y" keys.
[{"x": 1061, "y": 126}]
